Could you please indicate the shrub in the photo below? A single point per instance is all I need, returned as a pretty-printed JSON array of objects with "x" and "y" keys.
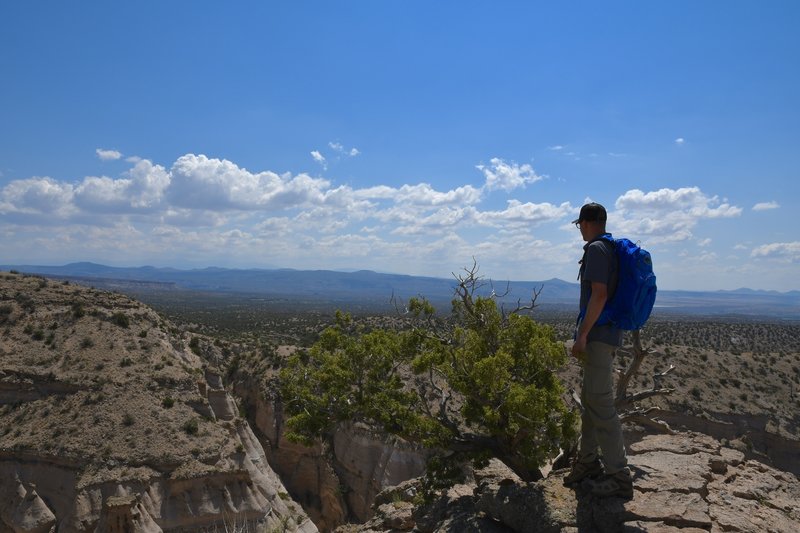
[
  {"x": 120, "y": 319},
  {"x": 86, "y": 342},
  {"x": 194, "y": 345},
  {"x": 127, "y": 419},
  {"x": 168, "y": 402},
  {"x": 502, "y": 366},
  {"x": 126, "y": 361},
  {"x": 191, "y": 426}
]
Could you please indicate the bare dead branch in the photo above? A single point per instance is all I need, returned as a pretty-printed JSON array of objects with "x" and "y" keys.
[
  {"x": 646, "y": 420},
  {"x": 626, "y": 403}
]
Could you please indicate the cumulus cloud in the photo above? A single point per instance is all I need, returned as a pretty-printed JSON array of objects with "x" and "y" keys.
[
  {"x": 199, "y": 182},
  {"x": 765, "y": 206},
  {"x": 421, "y": 194},
  {"x": 141, "y": 188},
  {"x": 340, "y": 149},
  {"x": 668, "y": 215},
  {"x": 201, "y": 205},
  {"x": 108, "y": 155},
  {"x": 36, "y": 196},
  {"x": 319, "y": 158},
  {"x": 507, "y": 176},
  {"x": 680, "y": 141},
  {"x": 525, "y": 213},
  {"x": 779, "y": 250}
]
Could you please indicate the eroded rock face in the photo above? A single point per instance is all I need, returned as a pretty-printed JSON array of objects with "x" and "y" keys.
[
  {"x": 111, "y": 421},
  {"x": 333, "y": 486},
  {"x": 685, "y": 482}
]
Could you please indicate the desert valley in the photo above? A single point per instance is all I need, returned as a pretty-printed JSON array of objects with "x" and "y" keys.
[{"x": 121, "y": 415}]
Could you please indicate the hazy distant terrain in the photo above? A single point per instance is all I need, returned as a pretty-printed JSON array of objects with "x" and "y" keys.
[{"x": 323, "y": 288}]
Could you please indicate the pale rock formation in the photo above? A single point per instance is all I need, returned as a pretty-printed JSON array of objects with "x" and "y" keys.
[
  {"x": 110, "y": 422},
  {"x": 25, "y": 511},
  {"x": 124, "y": 514},
  {"x": 685, "y": 482},
  {"x": 340, "y": 484}
]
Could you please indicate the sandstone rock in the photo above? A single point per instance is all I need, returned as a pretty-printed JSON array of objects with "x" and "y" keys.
[
  {"x": 119, "y": 425},
  {"x": 367, "y": 462},
  {"x": 26, "y": 512},
  {"x": 126, "y": 514},
  {"x": 340, "y": 484},
  {"x": 677, "y": 489},
  {"x": 673, "y": 508},
  {"x": 661, "y": 470}
]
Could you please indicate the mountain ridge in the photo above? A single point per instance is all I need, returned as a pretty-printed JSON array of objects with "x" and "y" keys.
[{"x": 368, "y": 285}]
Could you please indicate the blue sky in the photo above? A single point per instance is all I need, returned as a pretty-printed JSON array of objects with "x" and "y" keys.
[{"x": 402, "y": 137}]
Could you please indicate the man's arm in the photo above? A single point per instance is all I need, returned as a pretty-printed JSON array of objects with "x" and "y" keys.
[{"x": 597, "y": 300}]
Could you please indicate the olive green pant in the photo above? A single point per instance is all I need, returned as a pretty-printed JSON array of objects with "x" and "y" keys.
[{"x": 601, "y": 431}]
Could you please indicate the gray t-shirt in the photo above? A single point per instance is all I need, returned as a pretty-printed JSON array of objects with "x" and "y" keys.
[{"x": 600, "y": 265}]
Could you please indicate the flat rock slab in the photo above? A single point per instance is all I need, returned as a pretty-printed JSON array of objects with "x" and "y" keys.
[
  {"x": 672, "y": 508},
  {"x": 682, "y": 482},
  {"x": 668, "y": 471},
  {"x": 695, "y": 443},
  {"x": 658, "y": 527}
]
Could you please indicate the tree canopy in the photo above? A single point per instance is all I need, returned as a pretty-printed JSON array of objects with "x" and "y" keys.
[{"x": 475, "y": 384}]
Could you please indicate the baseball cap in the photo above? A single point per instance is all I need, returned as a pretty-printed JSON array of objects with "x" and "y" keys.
[{"x": 592, "y": 212}]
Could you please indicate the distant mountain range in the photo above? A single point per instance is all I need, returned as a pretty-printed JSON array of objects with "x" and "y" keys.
[{"x": 365, "y": 286}]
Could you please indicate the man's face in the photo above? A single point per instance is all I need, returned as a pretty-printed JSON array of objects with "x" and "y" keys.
[{"x": 589, "y": 229}]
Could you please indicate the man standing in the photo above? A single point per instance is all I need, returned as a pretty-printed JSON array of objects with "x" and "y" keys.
[{"x": 595, "y": 344}]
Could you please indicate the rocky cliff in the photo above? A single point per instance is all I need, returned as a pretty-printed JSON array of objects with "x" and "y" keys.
[
  {"x": 110, "y": 421},
  {"x": 684, "y": 482},
  {"x": 337, "y": 482}
]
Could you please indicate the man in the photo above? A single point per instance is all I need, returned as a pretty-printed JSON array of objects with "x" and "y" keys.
[{"x": 595, "y": 344}]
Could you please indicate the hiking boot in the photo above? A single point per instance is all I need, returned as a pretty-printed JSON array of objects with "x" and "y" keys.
[
  {"x": 581, "y": 471},
  {"x": 618, "y": 484}
]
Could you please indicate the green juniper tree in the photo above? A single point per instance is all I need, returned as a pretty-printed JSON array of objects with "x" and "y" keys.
[{"x": 477, "y": 384}]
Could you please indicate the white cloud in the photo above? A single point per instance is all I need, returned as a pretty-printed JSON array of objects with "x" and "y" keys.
[
  {"x": 779, "y": 250},
  {"x": 319, "y": 158},
  {"x": 765, "y": 206},
  {"x": 199, "y": 182},
  {"x": 143, "y": 188},
  {"x": 201, "y": 210},
  {"x": 36, "y": 196},
  {"x": 507, "y": 176},
  {"x": 525, "y": 213},
  {"x": 108, "y": 155},
  {"x": 555, "y": 148},
  {"x": 667, "y": 215},
  {"x": 422, "y": 194},
  {"x": 340, "y": 149},
  {"x": 680, "y": 141}
]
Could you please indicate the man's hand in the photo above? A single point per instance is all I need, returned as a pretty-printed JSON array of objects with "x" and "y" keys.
[{"x": 579, "y": 347}]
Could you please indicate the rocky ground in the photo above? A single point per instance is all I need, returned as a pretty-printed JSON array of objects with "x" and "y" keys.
[
  {"x": 683, "y": 482},
  {"x": 113, "y": 417},
  {"x": 110, "y": 417}
]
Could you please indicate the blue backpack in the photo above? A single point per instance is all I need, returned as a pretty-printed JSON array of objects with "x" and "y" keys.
[{"x": 632, "y": 302}]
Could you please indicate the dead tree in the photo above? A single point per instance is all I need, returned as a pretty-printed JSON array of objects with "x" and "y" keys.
[{"x": 626, "y": 402}]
